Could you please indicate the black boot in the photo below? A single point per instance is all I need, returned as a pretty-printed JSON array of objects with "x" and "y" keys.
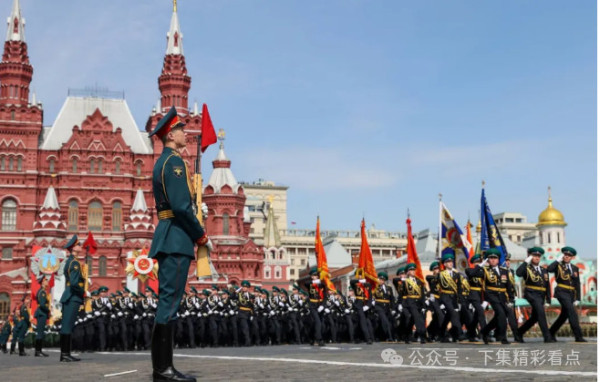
[
  {"x": 22, "y": 349},
  {"x": 162, "y": 355},
  {"x": 65, "y": 349},
  {"x": 38, "y": 349},
  {"x": 13, "y": 344},
  {"x": 4, "y": 350}
]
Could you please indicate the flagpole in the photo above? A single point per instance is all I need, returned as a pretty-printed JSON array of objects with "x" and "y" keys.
[{"x": 440, "y": 229}]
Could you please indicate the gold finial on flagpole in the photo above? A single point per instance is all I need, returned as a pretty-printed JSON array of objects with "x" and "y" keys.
[
  {"x": 483, "y": 184},
  {"x": 174, "y": 5}
]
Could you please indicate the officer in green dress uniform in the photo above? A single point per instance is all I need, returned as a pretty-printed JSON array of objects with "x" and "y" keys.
[
  {"x": 71, "y": 299},
  {"x": 4, "y": 334},
  {"x": 413, "y": 300},
  {"x": 41, "y": 314},
  {"x": 567, "y": 292},
  {"x": 173, "y": 243},
  {"x": 23, "y": 325},
  {"x": 450, "y": 287}
]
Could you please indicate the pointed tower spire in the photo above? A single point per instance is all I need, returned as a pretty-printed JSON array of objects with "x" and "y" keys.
[
  {"x": 16, "y": 24},
  {"x": 174, "y": 83},
  {"x": 15, "y": 70},
  {"x": 139, "y": 224},
  {"x": 49, "y": 222},
  {"x": 272, "y": 238}
]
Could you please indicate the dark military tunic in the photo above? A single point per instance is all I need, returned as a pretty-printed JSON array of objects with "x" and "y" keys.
[
  {"x": 73, "y": 295},
  {"x": 42, "y": 313},
  {"x": 498, "y": 292},
  {"x": 537, "y": 290},
  {"x": 567, "y": 291}
]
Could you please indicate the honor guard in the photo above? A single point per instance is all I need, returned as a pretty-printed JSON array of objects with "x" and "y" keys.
[
  {"x": 537, "y": 292},
  {"x": 245, "y": 305},
  {"x": 72, "y": 298},
  {"x": 362, "y": 304},
  {"x": 4, "y": 334},
  {"x": 173, "y": 242},
  {"x": 475, "y": 299},
  {"x": 316, "y": 293},
  {"x": 23, "y": 326},
  {"x": 413, "y": 300},
  {"x": 450, "y": 287},
  {"x": 437, "y": 315},
  {"x": 383, "y": 298},
  {"x": 497, "y": 292},
  {"x": 512, "y": 317},
  {"x": 567, "y": 292},
  {"x": 41, "y": 314}
]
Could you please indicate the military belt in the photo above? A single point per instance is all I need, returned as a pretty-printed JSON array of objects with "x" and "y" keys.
[
  {"x": 360, "y": 298},
  {"x": 448, "y": 291},
  {"x": 246, "y": 309},
  {"x": 475, "y": 288},
  {"x": 166, "y": 214},
  {"x": 383, "y": 301},
  {"x": 417, "y": 297},
  {"x": 535, "y": 288},
  {"x": 315, "y": 300},
  {"x": 436, "y": 295},
  {"x": 565, "y": 286},
  {"x": 494, "y": 289}
]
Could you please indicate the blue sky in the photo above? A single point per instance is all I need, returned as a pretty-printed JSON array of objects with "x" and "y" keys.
[{"x": 361, "y": 107}]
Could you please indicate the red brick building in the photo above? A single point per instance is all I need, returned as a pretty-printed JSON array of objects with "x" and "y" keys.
[{"x": 91, "y": 171}]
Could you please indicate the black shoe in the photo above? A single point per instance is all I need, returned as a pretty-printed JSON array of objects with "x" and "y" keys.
[
  {"x": 486, "y": 340},
  {"x": 580, "y": 339},
  {"x": 519, "y": 339},
  {"x": 22, "y": 349},
  {"x": 422, "y": 340},
  {"x": 65, "y": 349},
  {"x": 548, "y": 340},
  {"x": 321, "y": 343},
  {"x": 505, "y": 342},
  {"x": 162, "y": 355},
  {"x": 370, "y": 342}
]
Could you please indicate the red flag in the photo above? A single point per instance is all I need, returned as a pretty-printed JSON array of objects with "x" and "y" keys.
[
  {"x": 208, "y": 131},
  {"x": 322, "y": 266},
  {"x": 366, "y": 266},
  {"x": 90, "y": 244},
  {"x": 470, "y": 240},
  {"x": 411, "y": 252}
]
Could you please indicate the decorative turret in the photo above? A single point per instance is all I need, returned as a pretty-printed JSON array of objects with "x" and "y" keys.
[
  {"x": 49, "y": 222},
  {"x": 140, "y": 224},
  {"x": 551, "y": 225},
  {"x": 551, "y": 216}
]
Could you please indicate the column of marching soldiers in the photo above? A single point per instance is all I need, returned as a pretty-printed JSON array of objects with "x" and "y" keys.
[{"x": 244, "y": 315}]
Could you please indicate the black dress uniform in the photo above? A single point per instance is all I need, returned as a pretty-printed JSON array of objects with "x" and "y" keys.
[
  {"x": 362, "y": 294},
  {"x": 437, "y": 315},
  {"x": 22, "y": 328},
  {"x": 475, "y": 299},
  {"x": 4, "y": 334},
  {"x": 245, "y": 303},
  {"x": 450, "y": 288},
  {"x": 173, "y": 243},
  {"x": 384, "y": 296},
  {"x": 537, "y": 291},
  {"x": 568, "y": 293},
  {"x": 498, "y": 293},
  {"x": 317, "y": 291},
  {"x": 41, "y": 314},
  {"x": 413, "y": 300}
]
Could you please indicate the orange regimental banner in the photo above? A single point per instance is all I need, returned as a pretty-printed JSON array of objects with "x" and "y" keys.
[
  {"x": 322, "y": 266},
  {"x": 366, "y": 267},
  {"x": 411, "y": 252}
]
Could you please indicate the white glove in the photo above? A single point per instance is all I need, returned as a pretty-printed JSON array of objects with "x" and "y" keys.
[
  {"x": 546, "y": 305},
  {"x": 209, "y": 245},
  {"x": 485, "y": 304},
  {"x": 327, "y": 311},
  {"x": 365, "y": 308},
  {"x": 400, "y": 308},
  {"x": 483, "y": 263},
  {"x": 427, "y": 302},
  {"x": 136, "y": 317},
  {"x": 130, "y": 305},
  {"x": 97, "y": 314},
  {"x": 204, "y": 209},
  {"x": 442, "y": 306},
  {"x": 393, "y": 312},
  {"x": 197, "y": 305},
  {"x": 316, "y": 282},
  {"x": 186, "y": 313},
  {"x": 560, "y": 258},
  {"x": 231, "y": 311},
  {"x": 144, "y": 315},
  {"x": 87, "y": 294},
  {"x": 347, "y": 311},
  {"x": 576, "y": 303},
  {"x": 528, "y": 259},
  {"x": 457, "y": 308},
  {"x": 272, "y": 313},
  {"x": 109, "y": 305},
  {"x": 337, "y": 303},
  {"x": 510, "y": 305},
  {"x": 120, "y": 314},
  {"x": 432, "y": 298},
  {"x": 88, "y": 316},
  {"x": 251, "y": 318},
  {"x": 113, "y": 316},
  {"x": 220, "y": 304},
  {"x": 300, "y": 302},
  {"x": 281, "y": 304},
  {"x": 471, "y": 307},
  {"x": 320, "y": 309},
  {"x": 373, "y": 302},
  {"x": 362, "y": 281}
]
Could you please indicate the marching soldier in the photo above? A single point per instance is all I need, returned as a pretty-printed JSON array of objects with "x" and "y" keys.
[
  {"x": 15, "y": 331},
  {"x": 537, "y": 292},
  {"x": 450, "y": 287},
  {"x": 362, "y": 303},
  {"x": 383, "y": 297},
  {"x": 567, "y": 292},
  {"x": 512, "y": 317},
  {"x": 23, "y": 326},
  {"x": 497, "y": 292},
  {"x": 413, "y": 300},
  {"x": 435, "y": 325},
  {"x": 41, "y": 314},
  {"x": 475, "y": 299},
  {"x": 4, "y": 334},
  {"x": 295, "y": 302},
  {"x": 316, "y": 293},
  {"x": 174, "y": 238},
  {"x": 246, "y": 309},
  {"x": 101, "y": 308},
  {"x": 71, "y": 299}
]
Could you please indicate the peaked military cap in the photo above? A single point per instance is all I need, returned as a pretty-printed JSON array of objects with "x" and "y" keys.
[
  {"x": 313, "y": 271},
  {"x": 474, "y": 258},
  {"x": 295, "y": 286},
  {"x": 126, "y": 290},
  {"x": 246, "y": 283},
  {"x": 400, "y": 270},
  {"x": 167, "y": 123},
  {"x": 105, "y": 289},
  {"x": 193, "y": 289},
  {"x": 95, "y": 293},
  {"x": 275, "y": 289},
  {"x": 119, "y": 293},
  {"x": 569, "y": 251},
  {"x": 215, "y": 287},
  {"x": 492, "y": 252},
  {"x": 383, "y": 275},
  {"x": 535, "y": 251},
  {"x": 149, "y": 289},
  {"x": 206, "y": 292},
  {"x": 71, "y": 243},
  {"x": 410, "y": 266},
  {"x": 434, "y": 264},
  {"x": 447, "y": 257}
]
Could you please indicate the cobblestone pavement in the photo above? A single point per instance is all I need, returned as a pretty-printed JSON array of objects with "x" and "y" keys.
[{"x": 532, "y": 361}]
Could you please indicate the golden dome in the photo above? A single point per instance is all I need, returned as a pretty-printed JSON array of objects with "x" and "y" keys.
[{"x": 551, "y": 216}]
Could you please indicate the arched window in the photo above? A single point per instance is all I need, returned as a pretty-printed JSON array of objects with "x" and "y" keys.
[
  {"x": 277, "y": 272},
  {"x": 2, "y": 163},
  {"x": 267, "y": 272},
  {"x": 90, "y": 263},
  {"x": 9, "y": 215},
  {"x": 10, "y": 164},
  {"x": 12, "y": 115},
  {"x": 558, "y": 237},
  {"x": 117, "y": 166},
  {"x": 73, "y": 215},
  {"x": 92, "y": 166},
  {"x": 51, "y": 165},
  {"x": 74, "y": 161},
  {"x": 19, "y": 163},
  {"x": 225, "y": 224},
  {"x": 4, "y": 306},
  {"x": 7, "y": 253},
  {"x": 102, "y": 266},
  {"x": 117, "y": 215},
  {"x": 99, "y": 166},
  {"x": 138, "y": 168},
  {"x": 95, "y": 216},
  {"x": 549, "y": 238}
]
